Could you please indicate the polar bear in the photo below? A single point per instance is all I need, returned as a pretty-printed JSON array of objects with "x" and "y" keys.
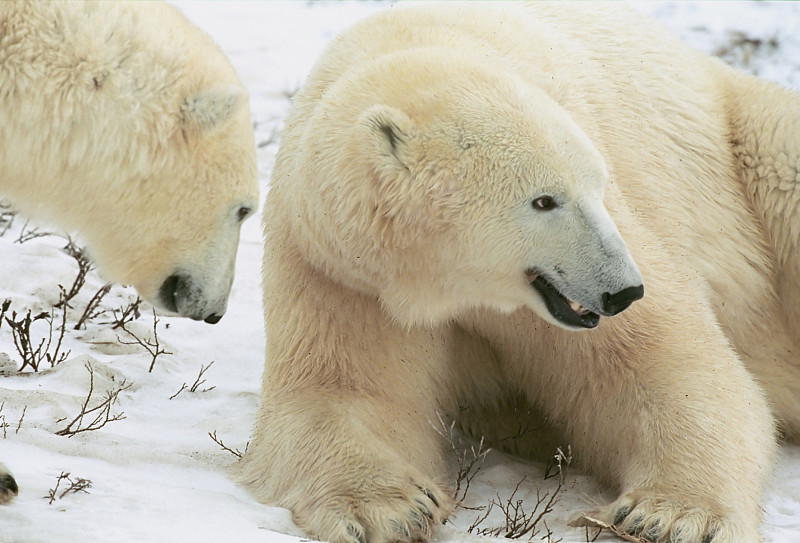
[
  {"x": 549, "y": 215},
  {"x": 125, "y": 123}
]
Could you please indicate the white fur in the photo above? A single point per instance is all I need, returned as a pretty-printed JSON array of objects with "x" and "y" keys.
[
  {"x": 124, "y": 122},
  {"x": 398, "y": 234}
]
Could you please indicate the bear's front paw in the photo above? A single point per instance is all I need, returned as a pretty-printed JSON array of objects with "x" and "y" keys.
[
  {"x": 8, "y": 486},
  {"x": 662, "y": 519},
  {"x": 379, "y": 513}
]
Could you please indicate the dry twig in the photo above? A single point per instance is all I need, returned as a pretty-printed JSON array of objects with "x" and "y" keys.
[
  {"x": 591, "y": 522},
  {"x": 152, "y": 347},
  {"x": 78, "y": 485},
  {"x": 127, "y": 314},
  {"x": 101, "y": 412},
  {"x": 26, "y": 235},
  {"x": 84, "y": 267},
  {"x": 469, "y": 458},
  {"x": 519, "y": 522},
  {"x": 197, "y": 382},
  {"x": 33, "y": 353},
  {"x": 19, "y": 424},
  {"x": 91, "y": 310},
  {"x": 3, "y": 423},
  {"x": 7, "y": 215},
  {"x": 235, "y": 452},
  {"x": 3, "y": 309}
]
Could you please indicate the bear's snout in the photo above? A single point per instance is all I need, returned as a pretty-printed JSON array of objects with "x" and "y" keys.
[{"x": 181, "y": 294}]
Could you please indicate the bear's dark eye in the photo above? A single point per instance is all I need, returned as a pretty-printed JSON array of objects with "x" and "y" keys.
[
  {"x": 544, "y": 203},
  {"x": 243, "y": 212}
]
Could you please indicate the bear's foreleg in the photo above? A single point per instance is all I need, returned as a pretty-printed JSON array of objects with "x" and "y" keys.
[
  {"x": 344, "y": 436},
  {"x": 345, "y": 468},
  {"x": 660, "y": 404},
  {"x": 8, "y": 486}
]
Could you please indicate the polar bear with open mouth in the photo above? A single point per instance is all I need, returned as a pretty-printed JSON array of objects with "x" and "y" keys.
[{"x": 550, "y": 215}]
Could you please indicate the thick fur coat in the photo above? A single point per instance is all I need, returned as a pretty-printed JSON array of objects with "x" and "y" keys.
[
  {"x": 124, "y": 122},
  {"x": 459, "y": 191}
]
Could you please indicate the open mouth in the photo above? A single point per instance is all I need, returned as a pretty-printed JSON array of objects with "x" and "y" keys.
[{"x": 564, "y": 310}]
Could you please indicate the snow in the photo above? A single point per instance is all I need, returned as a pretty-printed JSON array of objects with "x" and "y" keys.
[{"x": 155, "y": 474}]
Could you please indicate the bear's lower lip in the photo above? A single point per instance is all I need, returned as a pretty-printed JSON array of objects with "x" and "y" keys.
[{"x": 564, "y": 310}]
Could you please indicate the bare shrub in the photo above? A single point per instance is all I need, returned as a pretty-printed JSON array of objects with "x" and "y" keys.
[
  {"x": 740, "y": 48},
  {"x": 589, "y": 522},
  {"x": 197, "y": 382},
  {"x": 27, "y": 234},
  {"x": 84, "y": 267},
  {"x": 3, "y": 424},
  {"x": 128, "y": 313},
  {"x": 520, "y": 520},
  {"x": 235, "y": 452},
  {"x": 91, "y": 311},
  {"x": 34, "y": 352},
  {"x": 74, "y": 486},
  {"x": 21, "y": 417},
  {"x": 7, "y": 216},
  {"x": 468, "y": 458},
  {"x": 4, "y": 309},
  {"x": 153, "y": 347},
  {"x": 98, "y": 415}
]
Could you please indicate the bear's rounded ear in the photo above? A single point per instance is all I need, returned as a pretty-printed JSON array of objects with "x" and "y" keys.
[
  {"x": 390, "y": 131},
  {"x": 210, "y": 109}
]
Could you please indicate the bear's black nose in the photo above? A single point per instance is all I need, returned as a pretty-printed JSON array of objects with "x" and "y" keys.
[
  {"x": 616, "y": 303},
  {"x": 213, "y": 319},
  {"x": 168, "y": 293}
]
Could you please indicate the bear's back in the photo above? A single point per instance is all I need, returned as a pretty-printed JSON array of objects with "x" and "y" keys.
[{"x": 537, "y": 38}]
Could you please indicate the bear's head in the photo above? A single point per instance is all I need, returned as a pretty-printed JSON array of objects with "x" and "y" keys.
[
  {"x": 462, "y": 187},
  {"x": 127, "y": 125},
  {"x": 168, "y": 221}
]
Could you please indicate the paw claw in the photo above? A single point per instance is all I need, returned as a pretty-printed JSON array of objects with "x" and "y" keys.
[
  {"x": 672, "y": 519},
  {"x": 424, "y": 509},
  {"x": 384, "y": 508},
  {"x": 430, "y": 495},
  {"x": 654, "y": 532},
  {"x": 635, "y": 527},
  {"x": 356, "y": 533},
  {"x": 400, "y": 529},
  {"x": 621, "y": 515},
  {"x": 419, "y": 523}
]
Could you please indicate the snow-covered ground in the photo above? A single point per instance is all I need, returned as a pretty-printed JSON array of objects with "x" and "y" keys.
[{"x": 155, "y": 474}]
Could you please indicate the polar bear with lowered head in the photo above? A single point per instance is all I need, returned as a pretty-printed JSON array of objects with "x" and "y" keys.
[
  {"x": 124, "y": 122},
  {"x": 547, "y": 216}
]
